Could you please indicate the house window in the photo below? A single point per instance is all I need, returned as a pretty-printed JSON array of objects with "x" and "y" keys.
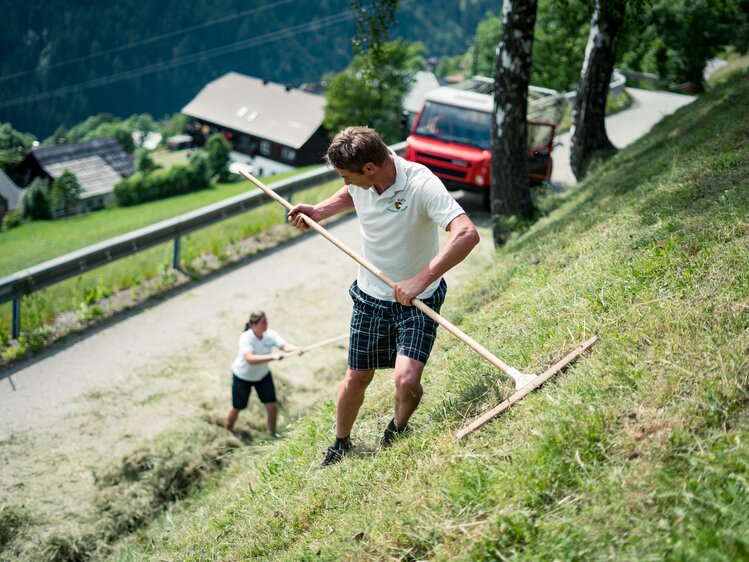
[
  {"x": 265, "y": 148},
  {"x": 288, "y": 154}
]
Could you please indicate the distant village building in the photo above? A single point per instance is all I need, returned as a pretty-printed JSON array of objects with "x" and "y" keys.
[
  {"x": 179, "y": 142},
  {"x": 276, "y": 127},
  {"x": 98, "y": 165},
  {"x": 10, "y": 195}
]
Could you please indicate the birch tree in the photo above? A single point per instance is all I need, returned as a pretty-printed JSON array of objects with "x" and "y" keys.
[
  {"x": 589, "y": 140},
  {"x": 510, "y": 189}
]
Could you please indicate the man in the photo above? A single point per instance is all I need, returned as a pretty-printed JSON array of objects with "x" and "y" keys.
[{"x": 400, "y": 206}]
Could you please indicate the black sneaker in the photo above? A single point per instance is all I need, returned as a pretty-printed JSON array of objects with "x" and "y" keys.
[
  {"x": 339, "y": 449},
  {"x": 391, "y": 434}
]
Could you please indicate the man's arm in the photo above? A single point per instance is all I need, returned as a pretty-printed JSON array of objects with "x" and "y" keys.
[
  {"x": 462, "y": 237},
  {"x": 339, "y": 202}
]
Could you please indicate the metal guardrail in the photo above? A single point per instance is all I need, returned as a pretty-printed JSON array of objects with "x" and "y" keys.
[{"x": 15, "y": 286}]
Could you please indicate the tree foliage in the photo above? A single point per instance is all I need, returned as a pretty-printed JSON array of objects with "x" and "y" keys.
[
  {"x": 484, "y": 47},
  {"x": 270, "y": 39},
  {"x": 558, "y": 44},
  {"x": 64, "y": 193},
  {"x": 358, "y": 97},
  {"x": 13, "y": 146},
  {"x": 681, "y": 35},
  {"x": 34, "y": 202},
  {"x": 144, "y": 163},
  {"x": 217, "y": 149},
  {"x": 373, "y": 22}
]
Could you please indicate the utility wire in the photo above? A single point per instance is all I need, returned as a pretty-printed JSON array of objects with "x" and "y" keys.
[
  {"x": 289, "y": 32},
  {"x": 144, "y": 41}
]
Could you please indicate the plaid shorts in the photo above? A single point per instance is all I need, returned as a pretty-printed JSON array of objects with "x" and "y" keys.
[{"x": 380, "y": 330}]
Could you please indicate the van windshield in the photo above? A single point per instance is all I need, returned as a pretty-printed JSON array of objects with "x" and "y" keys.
[{"x": 455, "y": 124}]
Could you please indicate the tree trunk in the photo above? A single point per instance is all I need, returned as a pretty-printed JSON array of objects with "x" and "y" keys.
[
  {"x": 588, "y": 134},
  {"x": 510, "y": 188}
]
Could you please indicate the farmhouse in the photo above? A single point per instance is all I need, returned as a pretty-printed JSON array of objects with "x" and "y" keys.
[
  {"x": 275, "y": 127},
  {"x": 98, "y": 164}
]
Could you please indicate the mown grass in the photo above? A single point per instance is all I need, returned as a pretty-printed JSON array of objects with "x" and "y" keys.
[{"x": 640, "y": 451}]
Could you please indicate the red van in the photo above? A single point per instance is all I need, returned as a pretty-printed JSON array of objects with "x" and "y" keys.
[{"x": 451, "y": 134}]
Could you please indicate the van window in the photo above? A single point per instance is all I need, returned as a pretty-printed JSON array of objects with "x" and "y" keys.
[{"x": 455, "y": 124}]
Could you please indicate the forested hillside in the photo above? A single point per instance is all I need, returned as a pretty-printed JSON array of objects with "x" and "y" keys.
[{"x": 129, "y": 57}]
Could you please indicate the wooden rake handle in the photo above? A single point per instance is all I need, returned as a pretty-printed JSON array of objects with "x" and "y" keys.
[
  {"x": 326, "y": 342},
  {"x": 449, "y": 326}
]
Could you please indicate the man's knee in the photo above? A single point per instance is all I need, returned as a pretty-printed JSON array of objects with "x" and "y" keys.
[
  {"x": 271, "y": 407},
  {"x": 357, "y": 380},
  {"x": 408, "y": 379}
]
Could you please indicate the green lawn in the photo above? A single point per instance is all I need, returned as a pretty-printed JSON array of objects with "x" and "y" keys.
[
  {"x": 38, "y": 241},
  {"x": 640, "y": 451}
]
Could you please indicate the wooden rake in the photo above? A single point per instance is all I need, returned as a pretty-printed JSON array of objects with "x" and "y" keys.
[
  {"x": 525, "y": 383},
  {"x": 307, "y": 348}
]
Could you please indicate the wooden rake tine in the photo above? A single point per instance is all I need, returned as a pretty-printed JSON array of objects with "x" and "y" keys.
[{"x": 525, "y": 381}]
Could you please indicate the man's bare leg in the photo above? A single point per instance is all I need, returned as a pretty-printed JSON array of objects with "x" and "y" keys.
[
  {"x": 408, "y": 389},
  {"x": 350, "y": 398}
]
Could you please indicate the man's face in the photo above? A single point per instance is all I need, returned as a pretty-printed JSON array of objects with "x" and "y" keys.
[{"x": 363, "y": 179}]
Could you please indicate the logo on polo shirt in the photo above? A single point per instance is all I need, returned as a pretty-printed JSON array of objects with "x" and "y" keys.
[{"x": 397, "y": 206}]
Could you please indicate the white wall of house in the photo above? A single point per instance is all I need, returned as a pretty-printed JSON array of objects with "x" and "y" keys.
[{"x": 263, "y": 166}]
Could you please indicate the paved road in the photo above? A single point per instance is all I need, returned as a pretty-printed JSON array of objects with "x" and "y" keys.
[{"x": 623, "y": 128}]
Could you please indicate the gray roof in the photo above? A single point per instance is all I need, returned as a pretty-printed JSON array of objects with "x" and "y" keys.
[
  {"x": 9, "y": 191},
  {"x": 98, "y": 164},
  {"x": 265, "y": 110}
]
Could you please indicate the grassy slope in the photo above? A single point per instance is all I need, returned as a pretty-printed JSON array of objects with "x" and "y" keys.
[{"x": 640, "y": 451}]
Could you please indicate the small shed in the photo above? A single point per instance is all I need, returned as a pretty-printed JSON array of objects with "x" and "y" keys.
[{"x": 179, "y": 142}]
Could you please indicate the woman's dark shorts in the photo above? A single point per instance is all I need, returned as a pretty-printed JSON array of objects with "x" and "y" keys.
[
  {"x": 381, "y": 330},
  {"x": 240, "y": 390}
]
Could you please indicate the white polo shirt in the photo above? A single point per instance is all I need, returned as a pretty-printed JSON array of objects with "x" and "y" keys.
[
  {"x": 249, "y": 342},
  {"x": 399, "y": 228}
]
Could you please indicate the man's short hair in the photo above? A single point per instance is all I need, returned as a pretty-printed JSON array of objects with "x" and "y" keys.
[{"x": 354, "y": 147}]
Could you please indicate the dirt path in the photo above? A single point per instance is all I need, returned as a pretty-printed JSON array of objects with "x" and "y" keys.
[{"x": 107, "y": 394}]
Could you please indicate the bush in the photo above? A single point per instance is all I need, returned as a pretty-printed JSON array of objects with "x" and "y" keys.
[
  {"x": 140, "y": 187},
  {"x": 64, "y": 194},
  {"x": 144, "y": 163},
  {"x": 12, "y": 219},
  {"x": 34, "y": 202}
]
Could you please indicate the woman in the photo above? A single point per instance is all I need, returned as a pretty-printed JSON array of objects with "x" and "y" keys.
[{"x": 250, "y": 369}]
